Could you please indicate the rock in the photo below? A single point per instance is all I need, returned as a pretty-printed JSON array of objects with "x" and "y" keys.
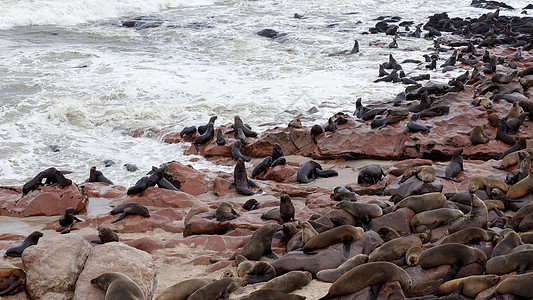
[
  {"x": 53, "y": 265},
  {"x": 198, "y": 208},
  {"x": 44, "y": 201},
  {"x": 284, "y": 173},
  {"x": 365, "y": 244},
  {"x": 186, "y": 178},
  {"x": 412, "y": 186},
  {"x": 220, "y": 186},
  {"x": 293, "y": 141},
  {"x": 154, "y": 196},
  {"x": 398, "y": 220},
  {"x": 425, "y": 281},
  {"x": 19, "y": 296},
  {"x": 102, "y": 190},
  {"x": 54, "y": 296},
  {"x": 147, "y": 244},
  {"x": 116, "y": 257}
]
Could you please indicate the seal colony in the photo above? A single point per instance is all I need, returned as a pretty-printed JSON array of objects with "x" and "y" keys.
[{"x": 442, "y": 212}]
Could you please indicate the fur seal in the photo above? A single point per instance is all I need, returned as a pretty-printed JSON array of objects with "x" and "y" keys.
[
  {"x": 316, "y": 130},
  {"x": 262, "y": 167},
  {"x": 425, "y": 173},
  {"x": 52, "y": 176},
  {"x": 394, "y": 249},
  {"x": 514, "y": 158},
  {"x": 331, "y": 127},
  {"x": 370, "y": 274},
  {"x": 412, "y": 254},
  {"x": 414, "y": 126},
  {"x": 271, "y": 295},
  {"x": 360, "y": 109},
  {"x": 97, "y": 176},
  {"x": 288, "y": 282},
  {"x": 521, "y": 188},
  {"x": 288, "y": 231},
  {"x": 435, "y": 217},
  {"x": 501, "y": 133},
  {"x": 250, "y": 204},
  {"x": 343, "y": 234},
  {"x": 308, "y": 231},
  {"x": 471, "y": 285},
  {"x": 260, "y": 272},
  {"x": 455, "y": 166},
  {"x": 225, "y": 212},
  {"x": 485, "y": 183},
  {"x": 272, "y": 214},
  {"x": 203, "y": 128},
  {"x": 277, "y": 152},
  {"x": 189, "y": 131},
  {"x": 340, "y": 193},
  {"x": 361, "y": 211},
  {"x": 517, "y": 285},
  {"x": 370, "y": 174},
  {"x": 239, "y": 134},
  {"x": 286, "y": 209},
  {"x": 456, "y": 255},
  {"x": 513, "y": 125},
  {"x": 118, "y": 286},
  {"x": 503, "y": 264},
  {"x": 106, "y": 235},
  {"x": 67, "y": 220},
  {"x": 424, "y": 202},
  {"x": 331, "y": 275},
  {"x": 310, "y": 170},
  {"x": 241, "y": 181},
  {"x": 183, "y": 289},
  {"x": 243, "y": 265},
  {"x": 205, "y": 137},
  {"x": 514, "y": 112},
  {"x": 236, "y": 151},
  {"x": 131, "y": 167},
  {"x": 221, "y": 141},
  {"x": 470, "y": 236},
  {"x": 510, "y": 241},
  {"x": 477, "y": 137},
  {"x": 239, "y": 124},
  {"x": 477, "y": 217},
  {"x": 493, "y": 118},
  {"x": 127, "y": 209},
  {"x": 12, "y": 281},
  {"x": 386, "y": 233},
  {"x": 30, "y": 240},
  {"x": 520, "y": 144},
  {"x": 218, "y": 289},
  {"x": 260, "y": 243}
]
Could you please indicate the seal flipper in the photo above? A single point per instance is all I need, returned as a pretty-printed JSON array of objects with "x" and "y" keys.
[
  {"x": 231, "y": 185},
  {"x": 347, "y": 248},
  {"x": 122, "y": 216},
  {"x": 271, "y": 254},
  {"x": 251, "y": 183},
  {"x": 209, "y": 217},
  {"x": 12, "y": 288},
  {"x": 451, "y": 274}
]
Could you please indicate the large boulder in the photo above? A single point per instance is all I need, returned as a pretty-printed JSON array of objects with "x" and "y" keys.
[
  {"x": 53, "y": 265},
  {"x": 154, "y": 196},
  {"x": 116, "y": 257},
  {"x": 186, "y": 178}
]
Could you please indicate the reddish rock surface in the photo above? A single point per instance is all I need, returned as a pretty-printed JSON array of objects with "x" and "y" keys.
[
  {"x": 154, "y": 196},
  {"x": 186, "y": 178},
  {"x": 102, "y": 190}
]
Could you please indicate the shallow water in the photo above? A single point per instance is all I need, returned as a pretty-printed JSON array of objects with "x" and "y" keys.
[{"x": 72, "y": 76}]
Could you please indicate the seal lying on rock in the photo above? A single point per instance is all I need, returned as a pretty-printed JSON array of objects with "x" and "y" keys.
[
  {"x": 52, "y": 176},
  {"x": 12, "y": 281},
  {"x": 118, "y": 286},
  {"x": 184, "y": 289},
  {"x": 106, "y": 235},
  {"x": 30, "y": 240},
  {"x": 129, "y": 209}
]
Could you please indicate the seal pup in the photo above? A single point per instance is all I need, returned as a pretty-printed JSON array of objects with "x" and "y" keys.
[
  {"x": 203, "y": 128},
  {"x": 243, "y": 265},
  {"x": 373, "y": 274},
  {"x": 260, "y": 272},
  {"x": 425, "y": 173},
  {"x": 343, "y": 234},
  {"x": 370, "y": 174},
  {"x": 514, "y": 112},
  {"x": 224, "y": 212},
  {"x": 250, "y": 204},
  {"x": 236, "y": 152},
  {"x": 12, "y": 281},
  {"x": 220, "y": 138},
  {"x": 189, "y": 131},
  {"x": 414, "y": 126},
  {"x": 455, "y": 166},
  {"x": 277, "y": 153},
  {"x": 106, "y": 235},
  {"x": 306, "y": 173},
  {"x": 471, "y": 286},
  {"x": 331, "y": 127},
  {"x": 97, "y": 176},
  {"x": 289, "y": 282},
  {"x": 476, "y": 135},
  {"x": 30, "y": 240},
  {"x": 118, "y": 286},
  {"x": 241, "y": 181},
  {"x": 340, "y": 193},
  {"x": 260, "y": 244},
  {"x": 205, "y": 137},
  {"x": 67, "y": 220},
  {"x": 286, "y": 209},
  {"x": 127, "y": 209},
  {"x": 331, "y": 275},
  {"x": 262, "y": 167},
  {"x": 239, "y": 124},
  {"x": 183, "y": 289}
]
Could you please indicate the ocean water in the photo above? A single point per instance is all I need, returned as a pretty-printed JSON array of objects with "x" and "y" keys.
[{"x": 72, "y": 76}]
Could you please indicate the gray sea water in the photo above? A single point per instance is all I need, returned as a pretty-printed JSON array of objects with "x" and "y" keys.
[{"x": 72, "y": 76}]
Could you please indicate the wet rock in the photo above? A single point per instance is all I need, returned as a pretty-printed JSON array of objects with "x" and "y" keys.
[
  {"x": 54, "y": 265},
  {"x": 116, "y": 257},
  {"x": 186, "y": 178},
  {"x": 44, "y": 201}
]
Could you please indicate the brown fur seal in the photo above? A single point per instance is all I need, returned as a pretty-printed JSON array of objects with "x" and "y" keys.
[
  {"x": 118, "y": 286},
  {"x": 527, "y": 223},
  {"x": 260, "y": 272},
  {"x": 455, "y": 166},
  {"x": 493, "y": 118},
  {"x": 205, "y": 137},
  {"x": 485, "y": 183},
  {"x": 236, "y": 152},
  {"x": 471, "y": 285},
  {"x": 527, "y": 237},
  {"x": 250, "y": 204},
  {"x": 394, "y": 249},
  {"x": 477, "y": 217},
  {"x": 370, "y": 274},
  {"x": 97, "y": 176},
  {"x": 218, "y": 289},
  {"x": 243, "y": 265},
  {"x": 30, "y": 240},
  {"x": 331, "y": 275},
  {"x": 240, "y": 180},
  {"x": 52, "y": 176},
  {"x": 514, "y": 112},
  {"x": 260, "y": 243},
  {"x": 183, "y": 289},
  {"x": 343, "y": 234},
  {"x": 310, "y": 170},
  {"x": 361, "y": 211},
  {"x": 308, "y": 231},
  {"x": 239, "y": 124},
  {"x": 127, "y": 209},
  {"x": 514, "y": 158},
  {"x": 106, "y": 235},
  {"x": 503, "y": 264},
  {"x": 387, "y": 233},
  {"x": 456, "y": 255},
  {"x": 271, "y": 295},
  {"x": 262, "y": 167},
  {"x": 470, "y": 236},
  {"x": 67, "y": 220},
  {"x": 272, "y": 214},
  {"x": 521, "y": 188},
  {"x": 12, "y": 281},
  {"x": 501, "y": 133},
  {"x": 412, "y": 254},
  {"x": 424, "y": 173},
  {"x": 524, "y": 247},
  {"x": 289, "y": 282},
  {"x": 435, "y": 217},
  {"x": 424, "y": 202},
  {"x": 518, "y": 285},
  {"x": 525, "y": 210},
  {"x": 225, "y": 212},
  {"x": 509, "y": 241},
  {"x": 477, "y": 136},
  {"x": 370, "y": 174},
  {"x": 520, "y": 144},
  {"x": 286, "y": 209},
  {"x": 203, "y": 128}
]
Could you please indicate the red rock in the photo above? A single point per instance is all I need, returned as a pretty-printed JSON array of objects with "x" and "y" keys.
[
  {"x": 102, "y": 190},
  {"x": 470, "y": 269},
  {"x": 186, "y": 178},
  {"x": 398, "y": 220},
  {"x": 220, "y": 186},
  {"x": 197, "y": 208},
  {"x": 293, "y": 141},
  {"x": 212, "y": 149},
  {"x": 199, "y": 225},
  {"x": 425, "y": 281},
  {"x": 170, "y": 213},
  {"x": 147, "y": 244},
  {"x": 285, "y": 173},
  {"x": 130, "y": 224},
  {"x": 374, "y": 189},
  {"x": 218, "y": 266},
  {"x": 154, "y": 196},
  {"x": 44, "y": 201},
  {"x": 319, "y": 200},
  {"x": 339, "y": 214}
]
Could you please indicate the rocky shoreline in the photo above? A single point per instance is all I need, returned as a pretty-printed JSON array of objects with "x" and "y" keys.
[{"x": 178, "y": 242}]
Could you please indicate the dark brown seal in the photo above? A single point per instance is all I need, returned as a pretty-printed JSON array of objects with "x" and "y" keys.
[
  {"x": 288, "y": 282},
  {"x": 205, "y": 137},
  {"x": 455, "y": 166},
  {"x": 240, "y": 180},
  {"x": 521, "y": 188},
  {"x": 118, "y": 286},
  {"x": 12, "y": 281},
  {"x": 189, "y": 131},
  {"x": 30, "y": 240},
  {"x": 286, "y": 209},
  {"x": 236, "y": 152},
  {"x": 218, "y": 289},
  {"x": 343, "y": 234},
  {"x": 260, "y": 272},
  {"x": 370, "y": 174},
  {"x": 477, "y": 217},
  {"x": 372, "y": 274},
  {"x": 261, "y": 242},
  {"x": 183, "y": 289},
  {"x": 127, "y": 209},
  {"x": 517, "y": 285},
  {"x": 67, "y": 220},
  {"x": 52, "y": 176},
  {"x": 262, "y": 167},
  {"x": 97, "y": 176},
  {"x": 225, "y": 212},
  {"x": 106, "y": 235},
  {"x": 238, "y": 124},
  {"x": 271, "y": 295}
]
